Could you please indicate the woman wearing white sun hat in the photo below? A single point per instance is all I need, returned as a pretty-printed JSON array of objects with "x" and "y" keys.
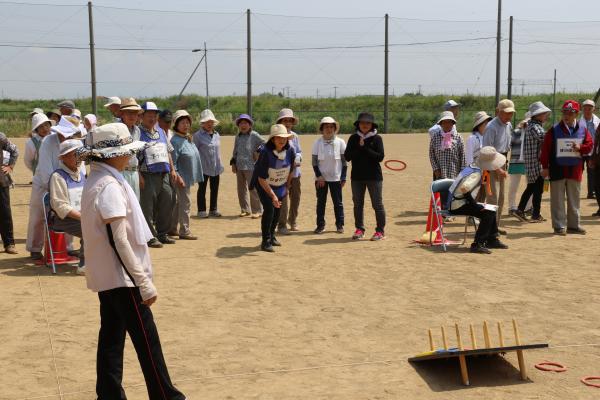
[{"x": 40, "y": 128}]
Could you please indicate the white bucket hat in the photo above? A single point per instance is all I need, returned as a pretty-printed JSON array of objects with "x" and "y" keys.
[
  {"x": 37, "y": 120},
  {"x": 480, "y": 118},
  {"x": 329, "y": 120},
  {"x": 278, "y": 130},
  {"x": 36, "y": 111},
  {"x": 180, "y": 114},
  {"x": 110, "y": 141},
  {"x": 112, "y": 100},
  {"x": 490, "y": 159},
  {"x": 207, "y": 115},
  {"x": 287, "y": 113},
  {"x": 446, "y": 116},
  {"x": 67, "y": 126},
  {"x": 68, "y": 146},
  {"x": 538, "y": 108}
]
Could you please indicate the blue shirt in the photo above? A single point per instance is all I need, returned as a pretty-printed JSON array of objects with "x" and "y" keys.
[
  {"x": 209, "y": 147},
  {"x": 186, "y": 160},
  {"x": 273, "y": 170},
  {"x": 295, "y": 145}
]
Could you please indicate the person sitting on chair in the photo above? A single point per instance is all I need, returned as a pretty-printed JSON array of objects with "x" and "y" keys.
[
  {"x": 462, "y": 194},
  {"x": 65, "y": 187}
]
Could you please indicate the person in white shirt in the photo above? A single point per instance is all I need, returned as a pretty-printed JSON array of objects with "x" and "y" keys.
[
  {"x": 330, "y": 169},
  {"x": 475, "y": 141},
  {"x": 118, "y": 266}
]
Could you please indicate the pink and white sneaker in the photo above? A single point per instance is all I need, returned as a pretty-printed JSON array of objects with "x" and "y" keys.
[
  {"x": 358, "y": 234},
  {"x": 377, "y": 236}
]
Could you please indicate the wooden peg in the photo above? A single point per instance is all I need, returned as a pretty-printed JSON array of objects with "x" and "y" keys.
[
  {"x": 458, "y": 339},
  {"x": 464, "y": 373},
  {"x": 431, "y": 345},
  {"x": 444, "y": 338},
  {"x": 486, "y": 335},
  {"x": 500, "y": 335},
  {"x": 520, "y": 356},
  {"x": 473, "y": 342}
]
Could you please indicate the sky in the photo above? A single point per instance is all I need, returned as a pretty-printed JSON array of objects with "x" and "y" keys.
[{"x": 305, "y": 48}]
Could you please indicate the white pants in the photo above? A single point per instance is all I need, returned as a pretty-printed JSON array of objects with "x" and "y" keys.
[{"x": 35, "y": 228}]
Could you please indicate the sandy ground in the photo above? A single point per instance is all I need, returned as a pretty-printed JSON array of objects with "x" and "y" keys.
[{"x": 324, "y": 317}]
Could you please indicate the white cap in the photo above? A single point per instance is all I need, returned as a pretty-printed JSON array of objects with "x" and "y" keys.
[
  {"x": 450, "y": 104},
  {"x": 150, "y": 106},
  {"x": 68, "y": 146},
  {"x": 112, "y": 100},
  {"x": 589, "y": 102}
]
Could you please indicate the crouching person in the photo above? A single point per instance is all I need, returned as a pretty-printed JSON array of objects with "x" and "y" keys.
[
  {"x": 462, "y": 195},
  {"x": 65, "y": 187}
]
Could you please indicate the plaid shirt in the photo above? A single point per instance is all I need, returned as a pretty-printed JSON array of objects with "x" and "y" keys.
[
  {"x": 449, "y": 161},
  {"x": 532, "y": 147}
]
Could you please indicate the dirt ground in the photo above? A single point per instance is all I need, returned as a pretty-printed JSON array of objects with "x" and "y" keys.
[{"x": 324, "y": 317}]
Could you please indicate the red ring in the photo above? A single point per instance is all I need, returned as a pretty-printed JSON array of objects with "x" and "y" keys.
[
  {"x": 585, "y": 380},
  {"x": 402, "y": 168},
  {"x": 559, "y": 367}
]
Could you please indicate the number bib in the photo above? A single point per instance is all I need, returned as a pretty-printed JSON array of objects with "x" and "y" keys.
[
  {"x": 75, "y": 197},
  {"x": 157, "y": 154},
  {"x": 564, "y": 147},
  {"x": 279, "y": 176}
]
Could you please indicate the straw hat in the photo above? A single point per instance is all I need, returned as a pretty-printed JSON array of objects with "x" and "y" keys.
[
  {"x": 446, "y": 116},
  {"x": 180, "y": 114},
  {"x": 112, "y": 100},
  {"x": 480, "y": 118},
  {"x": 110, "y": 141},
  {"x": 38, "y": 120},
  {"x": 278, "y": 130},
  {"x": 67, "y": 126},
  {"x": 130, "y": 104},
  {"x": 329, "y": 120},
  {"x": 68, "y": 146},
  {"x": 287, "y": 113},
  {"x": 490, "y": 159},
  {"x": 207, "y": 115},
  {"x": 538, "y": 108},
  {"x": 506, "y": 106}
]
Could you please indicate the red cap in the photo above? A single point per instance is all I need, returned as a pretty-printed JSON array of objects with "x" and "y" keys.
[{"x": 571, "y": 105}]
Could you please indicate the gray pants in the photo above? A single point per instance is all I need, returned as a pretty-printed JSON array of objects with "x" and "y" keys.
[
  {"x": 291, "y": 201},
  {"x": 497, "y": 196},
  {"x": 253, "y": 205},
  {"x": 156, "y": 200},
  {"x": 375, "y": 189},
  {"x": 558, "y": 188},
  {"x": 184, "y": 206}
]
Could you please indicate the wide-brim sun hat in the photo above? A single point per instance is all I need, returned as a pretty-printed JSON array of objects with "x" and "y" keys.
[
  {"x": 489, "y": 159},
  {"x": 67, "y": 126},
  {"x": 68, "y": 146},
  {"x": 446, "y": 116},
  {"x": 366, "y": 117},
  {"x": 36, "y": 110},
  {"x": 207, "y": 115},
  {"x": 278, "y": 130},
  {"x": 329, "y": 120},
  {"x": 480, "y": 118},
  {"x": 244, "y": 117},
  {"x": 129, "y": 104},
  {"x": 177, "y": 115},
  {"x": 110, "y": 141},
  {"x": 287, "y": 113},
  {"x": 38, "y": 120},
  {"x": 538, "y": 108}
]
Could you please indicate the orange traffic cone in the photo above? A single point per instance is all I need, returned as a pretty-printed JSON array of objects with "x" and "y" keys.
[
  {"x": 432, "y": 233},
  {"x": 59, "y": 250}
]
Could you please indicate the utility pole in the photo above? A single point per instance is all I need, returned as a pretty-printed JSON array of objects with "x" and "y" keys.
[
  {"x": 498, "y": 43},
  {"x": 193, "y": 72},
  {"x": 206, "y": 74},
  {"x": 510, "y": 54},
  {"x": 386, "y": 83},
  {"x": 317, "y": 93},
  {"x": 335, "y": 92},
  {"x": 248, "y": 65},
  {"x": 92, "y": 59},
  {"x": 554, "y": 98}
]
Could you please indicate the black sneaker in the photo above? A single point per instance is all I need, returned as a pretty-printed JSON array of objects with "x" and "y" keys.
[
  {"x": 166, "y": 240},
  {"x": 495, "y": 244},
  {"x": 36, "y": 255},
  {"x": 266, "y": 246},
  {"x": 319, "y": 230},
  {"x": 520, "y": 215},
  {"x": 275, "y": 242},
  {"x": 479, "y": 249},
  {"x": 576, "y": 231},
  {"x": 560, "y": 231},
  {"x": 154, "y": 243},
  {"x": 537, "y": 219}
]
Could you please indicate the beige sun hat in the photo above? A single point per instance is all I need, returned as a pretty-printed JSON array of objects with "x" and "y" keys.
[
  {"x": 278, "y": 130},
  {"x": 287, "y": 113},
  {"x": 180, "y": 114},
  {"x": 480, "y": 118},
  {"x": 329, "y": 120},
  {"x": 38, "y": 120},
  {"x": 490, "y": 159},
  {"x": 446, "y": 116},
  {"x": 207, "y": 115},
  {"x": 130, "y": 104},
  {"x": 506, "y": 106}
]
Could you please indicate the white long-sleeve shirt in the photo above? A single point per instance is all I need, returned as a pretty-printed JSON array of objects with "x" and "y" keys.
[{"x": 473, "y": 146}]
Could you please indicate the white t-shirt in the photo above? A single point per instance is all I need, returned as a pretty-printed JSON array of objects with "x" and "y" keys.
[
  {"x": 104, "y": 198},
  {"x": 329, "y": 158}
]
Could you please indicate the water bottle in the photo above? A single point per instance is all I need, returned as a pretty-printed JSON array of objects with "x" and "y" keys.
[{"x": 546, "y": 184}]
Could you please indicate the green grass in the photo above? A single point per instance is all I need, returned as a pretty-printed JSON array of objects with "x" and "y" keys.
[{"x": 408, "y": 113}]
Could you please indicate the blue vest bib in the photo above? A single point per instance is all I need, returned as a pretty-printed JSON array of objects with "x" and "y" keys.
[
  {"x": 74, "y": 188},
  {"x": 156, "y": 157},
  {"x": 563, "y": 143}
]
